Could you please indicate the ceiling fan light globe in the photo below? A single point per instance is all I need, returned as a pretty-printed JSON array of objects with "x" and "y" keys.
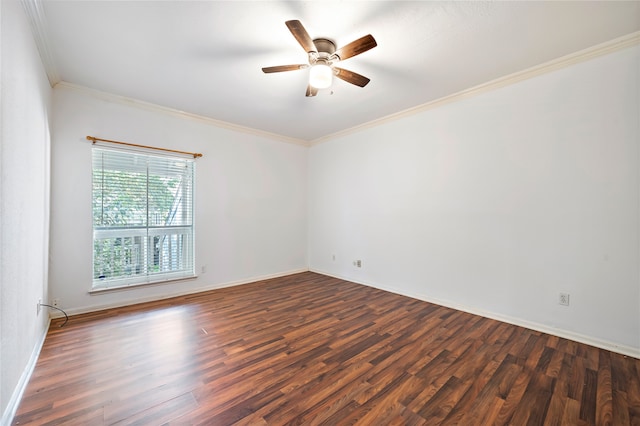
[{"x": 320, "y": 76}]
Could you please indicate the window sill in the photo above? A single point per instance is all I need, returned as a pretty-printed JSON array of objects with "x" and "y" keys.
[{"x": 97, "y": 291}]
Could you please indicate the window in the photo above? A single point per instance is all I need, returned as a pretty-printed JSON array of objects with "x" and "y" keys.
[{"x": 142, "y": 218}]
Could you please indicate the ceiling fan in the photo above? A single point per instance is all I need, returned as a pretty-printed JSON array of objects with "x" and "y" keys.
[{"x": 322, "y": 59}]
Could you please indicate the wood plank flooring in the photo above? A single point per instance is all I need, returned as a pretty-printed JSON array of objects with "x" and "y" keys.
[{"x": 310, "y": 349}]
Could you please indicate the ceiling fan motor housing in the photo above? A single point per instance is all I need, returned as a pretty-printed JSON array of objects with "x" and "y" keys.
[
  {"x": 325, "y": 46},
  {"x": 325, "y": 52}
]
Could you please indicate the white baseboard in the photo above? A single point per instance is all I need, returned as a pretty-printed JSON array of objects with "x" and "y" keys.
[
  {"x": 16, "y": 397},
  {"x": 565, "y": 334},
  {"x": 102, "y": 307}
]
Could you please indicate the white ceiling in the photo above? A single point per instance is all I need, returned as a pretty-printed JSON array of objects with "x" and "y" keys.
[{"x": 205, "y": 57}]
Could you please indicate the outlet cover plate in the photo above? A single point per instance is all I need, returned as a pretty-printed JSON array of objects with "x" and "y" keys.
[{"x": 563, "y": 299}]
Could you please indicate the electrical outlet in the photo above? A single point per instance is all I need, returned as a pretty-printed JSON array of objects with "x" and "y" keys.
[
  {"x": 56, "y": 303},
  {"x": 358, "y": 263},
  {"x": 39, "y": 303},
  {"x": 563, "y": 299}
]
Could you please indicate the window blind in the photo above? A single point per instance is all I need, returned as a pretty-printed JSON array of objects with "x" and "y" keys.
[{"x": 142, "y": 218}]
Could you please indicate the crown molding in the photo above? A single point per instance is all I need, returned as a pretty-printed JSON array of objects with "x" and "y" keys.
[
  {"x": 35, "y": 13},
  {"x": 123, "y": 100},
  {"x": 554, "y": 65},
  {"x": 605, "y": 48}
]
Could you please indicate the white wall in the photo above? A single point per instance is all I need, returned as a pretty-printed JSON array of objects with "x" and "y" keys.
[
  {"x": 497, "y": 203},
  {"x": 251, "y": 197},
  {"x": 24, "y": 203}
]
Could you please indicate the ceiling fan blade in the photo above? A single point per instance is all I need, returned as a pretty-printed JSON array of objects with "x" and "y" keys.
[
  {"x": 311, "y": 91},
  {"x": 301, "y": 35},
  {"x": 351, "y": 77},
  {"x": 356, "y": 47},
  {"x": 281, "y": 68}
]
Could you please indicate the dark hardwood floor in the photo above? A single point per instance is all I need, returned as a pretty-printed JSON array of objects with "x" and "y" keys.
[{"x": 310, "y": 349}]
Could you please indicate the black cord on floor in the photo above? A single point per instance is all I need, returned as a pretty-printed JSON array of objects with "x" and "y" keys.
[{"x": 66, "y": 317}]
